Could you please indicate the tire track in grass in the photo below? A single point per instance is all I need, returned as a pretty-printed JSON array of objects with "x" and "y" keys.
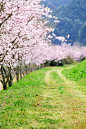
[
  {"x": 48, "y": 81},
  {"x": 70, "y": 105},
  {"x": 72, "y": 86},
  {"x": 58, "y": 110}
]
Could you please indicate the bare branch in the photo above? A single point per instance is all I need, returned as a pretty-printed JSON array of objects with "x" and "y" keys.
[{"x": 6, "y": 19}]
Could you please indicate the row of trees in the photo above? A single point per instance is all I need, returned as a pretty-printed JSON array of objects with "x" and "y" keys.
[{"x": 23, "y": 35}]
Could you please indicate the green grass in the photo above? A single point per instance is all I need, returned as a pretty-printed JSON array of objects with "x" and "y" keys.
[
  {"x": 55, "y": 76},
  {"x": 41, "y": 101},
  {"x": 59, "y": 81},
  {"x": 77, "y": 74},
  {"x": 64, "y": 104},
  {"x": 22, "y": 97}
]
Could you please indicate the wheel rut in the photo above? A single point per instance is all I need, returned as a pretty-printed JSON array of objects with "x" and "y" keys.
[{"x": 70, "y": 105}]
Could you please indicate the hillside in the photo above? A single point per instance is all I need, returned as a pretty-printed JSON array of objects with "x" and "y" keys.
[
  {"x": 41, "y": 99},
  {"x": 74, "y": 10},
  {"x": 57, "y": 3},
  {"x": 72, "y": 20},
  {"x": 77, "y": 73}
]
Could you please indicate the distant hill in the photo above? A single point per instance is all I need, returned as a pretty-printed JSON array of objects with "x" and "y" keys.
[
  {"x": 57, "y": 3},
  {"x": 72, "y": 18},
  {"x": 76, "y": 9}
]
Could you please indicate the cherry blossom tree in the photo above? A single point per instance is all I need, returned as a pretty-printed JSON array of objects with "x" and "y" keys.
[{"x": 22, "y": 27}]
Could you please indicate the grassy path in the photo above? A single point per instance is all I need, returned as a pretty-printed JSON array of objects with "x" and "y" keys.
[
  {"x": 69, "y": 103},
  {"x": 72, "y": 86},
  {"x": 44, "y": 99}
]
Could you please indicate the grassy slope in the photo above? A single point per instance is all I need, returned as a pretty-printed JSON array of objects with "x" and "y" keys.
[
  {"x": 32, "y": 104},
  {"x": 68, "y": 107},
  {"x": 77, "y": 73},
  {"x": 17, "y": 101}
]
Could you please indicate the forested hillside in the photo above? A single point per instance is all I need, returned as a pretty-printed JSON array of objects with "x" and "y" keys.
[
  {"x": 72, "y": 21},
  {"x": 74, "y": 10},
  {"x": 57, "y": 3}
]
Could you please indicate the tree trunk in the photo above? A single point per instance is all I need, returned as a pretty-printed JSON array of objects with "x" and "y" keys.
[
  {"x": 17, "y": 73},
  {"x": 4, "y": 86},
  {"x": 20, "y": 72},
  {"x": 26, "y": 69},
  {"x": 4, "y": 77},
  {"x": 10, "y": 83},
  {"x": 10, "y": 79}
]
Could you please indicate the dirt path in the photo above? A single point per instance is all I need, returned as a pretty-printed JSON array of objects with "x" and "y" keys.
[
  {"x": 69, "y": 105},
  {"x": 1, "y": 87}
]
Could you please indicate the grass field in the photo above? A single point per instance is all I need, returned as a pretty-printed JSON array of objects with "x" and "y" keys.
[
  {"x": 44, "y": 99},
  {"x": 77, "y": 74}
]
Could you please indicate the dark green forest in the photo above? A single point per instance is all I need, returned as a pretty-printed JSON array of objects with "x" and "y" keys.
[
  {"x": 57, "y": 3},
  {"x": 72, "y": 21},
  {"x": 72, "y": 17}
]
